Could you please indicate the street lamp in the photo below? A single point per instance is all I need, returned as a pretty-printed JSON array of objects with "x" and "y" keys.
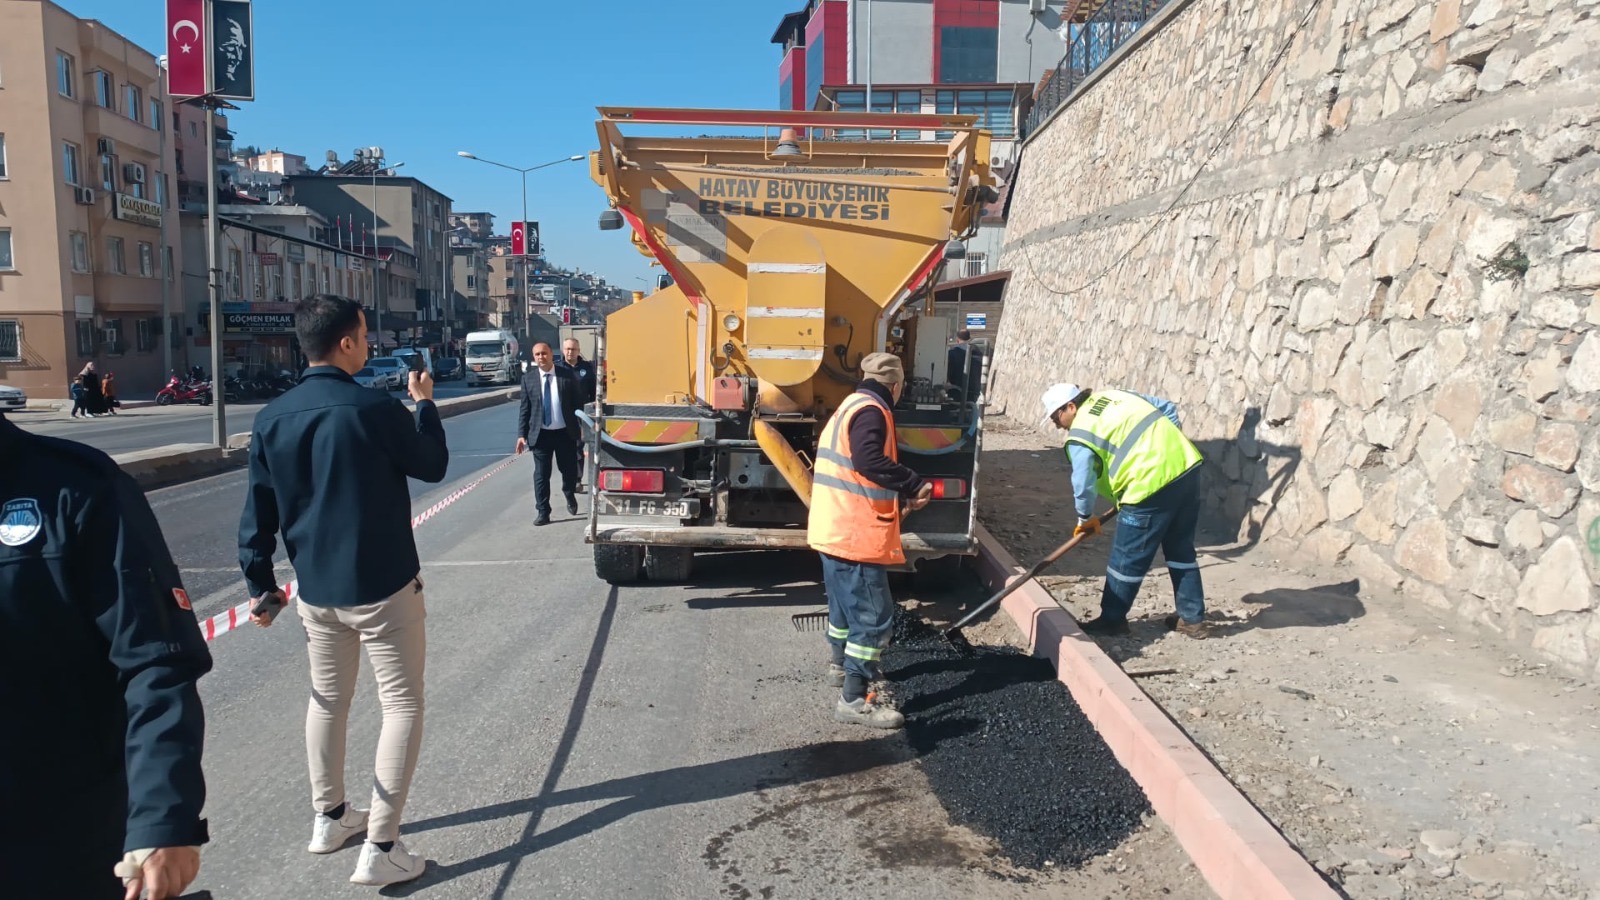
[{"x": 526, "y": 303}]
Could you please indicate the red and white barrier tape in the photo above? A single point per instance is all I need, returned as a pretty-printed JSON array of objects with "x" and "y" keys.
[{"x": 239, "y": 616}]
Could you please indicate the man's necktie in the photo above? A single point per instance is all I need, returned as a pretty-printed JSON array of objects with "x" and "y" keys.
[{"x": 549, "y": 402}]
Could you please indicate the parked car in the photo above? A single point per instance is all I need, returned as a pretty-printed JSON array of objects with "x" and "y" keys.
[
  {"x": 370, "y": 377},
  {"x": 393, "y": 369},
  {"x": 12, "y": 398},
  {"x": 447, "y": 368}
]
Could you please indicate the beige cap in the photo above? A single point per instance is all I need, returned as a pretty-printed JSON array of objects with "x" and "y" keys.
[{"x": 884, "y": 368}]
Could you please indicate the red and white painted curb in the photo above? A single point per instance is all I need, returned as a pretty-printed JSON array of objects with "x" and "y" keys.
[{"x": 239, "y": 616}]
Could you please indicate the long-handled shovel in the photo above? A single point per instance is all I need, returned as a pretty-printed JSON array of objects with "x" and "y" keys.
[{"x": 953, "y": 634}]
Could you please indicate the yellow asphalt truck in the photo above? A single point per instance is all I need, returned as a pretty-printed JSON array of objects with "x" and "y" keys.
[{"x": 794, "y": 245}]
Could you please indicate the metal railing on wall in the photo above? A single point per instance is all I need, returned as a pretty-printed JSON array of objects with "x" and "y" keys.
[{"x": 1092, "y": 41}]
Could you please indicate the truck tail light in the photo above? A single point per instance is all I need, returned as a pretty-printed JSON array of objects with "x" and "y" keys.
[
  {"x": 948, "y": 488},
  {"x": 633, "y": 481}
]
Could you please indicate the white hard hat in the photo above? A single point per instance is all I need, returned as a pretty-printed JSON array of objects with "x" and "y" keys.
[{"x": 1055, "y": 397}]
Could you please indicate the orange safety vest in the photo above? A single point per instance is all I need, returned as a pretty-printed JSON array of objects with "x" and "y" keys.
[{"x": 853, "y": 518}]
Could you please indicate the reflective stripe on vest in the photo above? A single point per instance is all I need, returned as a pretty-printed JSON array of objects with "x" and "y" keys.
[
  {"x": 1139, "y": 449},
  {"x": 852, "y": 518}
]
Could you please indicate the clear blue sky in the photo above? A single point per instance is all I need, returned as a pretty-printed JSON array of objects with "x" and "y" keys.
[{"x": 516, "y": 82}]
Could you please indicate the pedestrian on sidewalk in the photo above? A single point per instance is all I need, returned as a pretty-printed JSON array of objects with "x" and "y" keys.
[
  {"x": 1130, "y": 448},
  {"x": 108, "y": 387},
  {"x": 329, "y": 461},
  {"x": 857, "y": 492},
  {"x": 79, "y": 407},
  {"x": 547, "y": 422},
  {"x": 93, "y": 397},
  {"x": 100, "y": 653}
]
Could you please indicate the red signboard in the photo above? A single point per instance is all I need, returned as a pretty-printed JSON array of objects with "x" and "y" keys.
[
  {"x": 519, "y": 239},
  {"x": 186, "y": 48}
]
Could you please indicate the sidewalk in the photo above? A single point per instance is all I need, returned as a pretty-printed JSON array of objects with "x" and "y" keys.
[{"x": 1405, "y": 754}]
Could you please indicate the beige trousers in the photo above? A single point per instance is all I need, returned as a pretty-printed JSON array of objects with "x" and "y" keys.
[{"x": 392, "y": 632}]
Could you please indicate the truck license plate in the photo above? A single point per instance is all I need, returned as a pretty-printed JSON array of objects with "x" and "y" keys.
[{"x": 643, "y": 506}]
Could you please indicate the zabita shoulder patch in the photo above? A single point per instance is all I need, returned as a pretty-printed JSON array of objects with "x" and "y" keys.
[
  {"x": 20, "y": 522},
  {"x": 182, "y": 596}
]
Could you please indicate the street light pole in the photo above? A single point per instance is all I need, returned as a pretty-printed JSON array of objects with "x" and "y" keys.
[{"x": 527, "y": 306}]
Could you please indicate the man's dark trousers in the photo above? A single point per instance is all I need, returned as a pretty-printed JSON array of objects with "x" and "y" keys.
[{"x": 557, "y": 443}]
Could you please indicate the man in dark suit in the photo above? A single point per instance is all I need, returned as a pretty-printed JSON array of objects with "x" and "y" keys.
[{"x": 548, "y": 423}]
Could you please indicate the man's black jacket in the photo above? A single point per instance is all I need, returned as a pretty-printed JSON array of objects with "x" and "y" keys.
[
  {"x": 99, "y": 656},
  {"x": 531, "y": 412},
  {"x": 328, "y": 468},
  {"x": 583, "y": 370}
]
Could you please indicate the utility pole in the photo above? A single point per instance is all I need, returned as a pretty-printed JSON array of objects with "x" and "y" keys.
[
  {"x": 166, "y": 248},
  {"x": 219, "y": 415}
]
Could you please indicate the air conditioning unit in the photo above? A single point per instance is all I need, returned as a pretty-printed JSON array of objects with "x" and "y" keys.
[
  {"x": 132, "y": 174},
  {"x": 1036, "y": 6},
  {"x": 83, "y": 195},
  {"x": 106, "y": 147}
]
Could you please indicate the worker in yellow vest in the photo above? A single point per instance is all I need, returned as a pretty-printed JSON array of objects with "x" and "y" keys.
[
  {"x": 1131, "y": 449},
  {"x": 857, "y": 491}
]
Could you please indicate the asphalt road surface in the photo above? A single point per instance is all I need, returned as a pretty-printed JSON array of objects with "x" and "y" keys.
[
  {"x": 157, "y": 426},
  {"x": 582, "y": 741}
]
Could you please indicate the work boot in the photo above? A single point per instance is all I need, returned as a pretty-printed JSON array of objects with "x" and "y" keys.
[
  {"x": 1101, "y": 626},
  {"x": 1196, "y": 630},
  {"x": 861, "y": 712},
  {"x": 835, "y": 676}
]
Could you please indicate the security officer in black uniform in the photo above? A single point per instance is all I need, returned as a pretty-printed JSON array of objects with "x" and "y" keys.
[{"x": 99, "y": 656}]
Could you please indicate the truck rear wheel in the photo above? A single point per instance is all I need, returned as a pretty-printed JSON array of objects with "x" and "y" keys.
[
  {"x": 668, "y": 563},
  {"x": 617, "y": 563}
]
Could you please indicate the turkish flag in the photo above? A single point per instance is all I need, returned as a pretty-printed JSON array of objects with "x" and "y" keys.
[
  {"x": 187, "y": 48},
  {"x": 519, "y": 238}
]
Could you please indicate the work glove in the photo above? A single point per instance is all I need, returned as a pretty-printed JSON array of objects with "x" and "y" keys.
[{"x": 1087, "y": 527}]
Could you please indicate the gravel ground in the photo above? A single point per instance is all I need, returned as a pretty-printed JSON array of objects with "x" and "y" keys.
[{"x": 1406, "y": 753}]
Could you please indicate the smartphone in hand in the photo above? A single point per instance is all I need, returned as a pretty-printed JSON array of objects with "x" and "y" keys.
[
  {"x": 414, "y": 362},
  {"x": 268, "y": 606}
]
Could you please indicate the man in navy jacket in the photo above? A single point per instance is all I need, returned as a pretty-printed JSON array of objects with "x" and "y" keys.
[
  {"x": 328, "y": 467},
  {"x": 99, "y": 657}
]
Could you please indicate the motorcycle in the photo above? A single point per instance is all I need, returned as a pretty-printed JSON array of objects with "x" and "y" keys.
[{"x": 180, "y": 390}]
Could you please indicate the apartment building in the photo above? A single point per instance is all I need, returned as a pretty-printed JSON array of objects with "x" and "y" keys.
[
  {"x": 411, "y": 221},
  {"x": 270, "y": 256},
  {"x": 469, "y": 236},
  {"x": 86, "y": 229}
]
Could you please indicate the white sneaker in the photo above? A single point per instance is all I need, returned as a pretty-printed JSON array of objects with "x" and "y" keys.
[
  {"x": 378, "y": 868},
  {"x": 328, "y": 835}
]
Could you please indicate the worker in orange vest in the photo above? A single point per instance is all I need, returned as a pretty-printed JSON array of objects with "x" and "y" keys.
[{"x": 857, "y": 491}]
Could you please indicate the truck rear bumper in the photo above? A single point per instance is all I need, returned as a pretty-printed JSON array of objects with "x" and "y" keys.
[{"x": 720, "y": 537}]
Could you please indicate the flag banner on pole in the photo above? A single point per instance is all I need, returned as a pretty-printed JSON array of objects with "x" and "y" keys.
[
  {"x": 233, "y": 52},
  {"x": 186, "y": 48}
]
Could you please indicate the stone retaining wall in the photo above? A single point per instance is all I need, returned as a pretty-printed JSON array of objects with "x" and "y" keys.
[{"x": 1368, "y": 277}]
